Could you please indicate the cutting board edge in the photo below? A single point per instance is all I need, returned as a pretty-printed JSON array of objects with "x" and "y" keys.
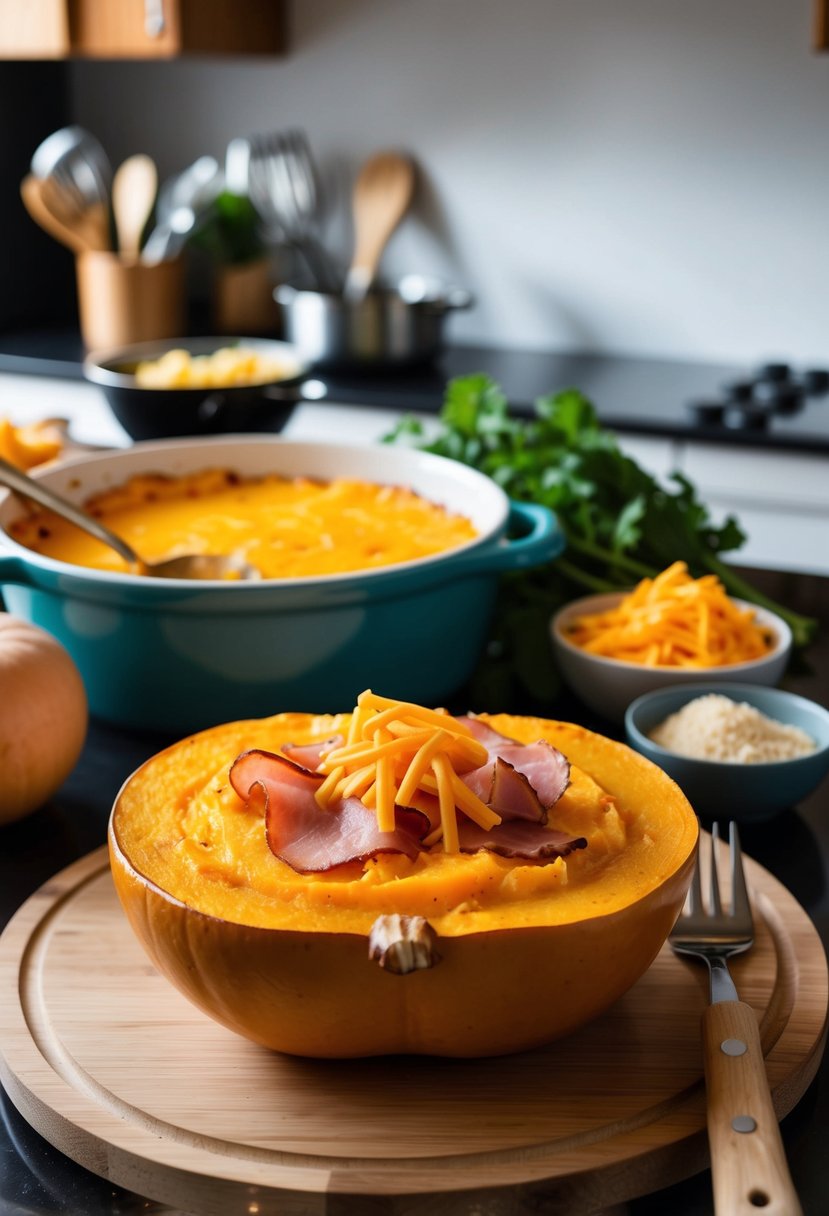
[{"x": 125, "y": 1167}]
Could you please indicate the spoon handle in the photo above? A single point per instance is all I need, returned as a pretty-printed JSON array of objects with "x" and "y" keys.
[
  {"x": 27, "y": 486},
  {"x": 382, "y": 193}
]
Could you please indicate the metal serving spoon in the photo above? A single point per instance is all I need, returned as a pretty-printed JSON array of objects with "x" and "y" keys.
[
  {"x": 184, "y": 204},
  {"x": 193, "y": 565},
  {"x": 76, "y": 175}
]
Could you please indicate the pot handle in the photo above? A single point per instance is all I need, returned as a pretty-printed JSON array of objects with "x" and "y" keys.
[
  {"x": 458, "y": 297},
  {"x": 540, "y": 540},
  {"x": 285, "y": 294},
  {"x": 13, "y": 569}
]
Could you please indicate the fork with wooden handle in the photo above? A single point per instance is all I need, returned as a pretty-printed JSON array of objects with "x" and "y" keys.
[{"x": 748, "y": 1161}]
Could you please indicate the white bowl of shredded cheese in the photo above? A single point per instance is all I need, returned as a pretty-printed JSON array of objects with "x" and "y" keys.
[
  {"x": 735, "y": 749},
  {"x": 608, "y": 685}
]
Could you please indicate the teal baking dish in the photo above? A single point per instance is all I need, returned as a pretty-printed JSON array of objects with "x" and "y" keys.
[{"x": 176, "y": 656}]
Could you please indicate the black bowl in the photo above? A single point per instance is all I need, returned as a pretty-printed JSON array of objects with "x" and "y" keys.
[{"x": 161, "y": 413}]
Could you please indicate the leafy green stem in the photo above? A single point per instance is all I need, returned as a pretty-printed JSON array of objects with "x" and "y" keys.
[
  {"x": 803, "y": 628},
  {"x": 613, "y": 560},
  {"x": 582, "y": 578}
]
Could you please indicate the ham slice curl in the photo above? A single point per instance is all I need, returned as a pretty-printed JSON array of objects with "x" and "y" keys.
[
  {"x": 501, "y": 782},
  {"x": 302, "y": 834},
  {"x": 521, "y": 782}
]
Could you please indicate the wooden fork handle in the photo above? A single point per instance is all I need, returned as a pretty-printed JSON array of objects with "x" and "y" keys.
[{"x": 748, "y": 1161}]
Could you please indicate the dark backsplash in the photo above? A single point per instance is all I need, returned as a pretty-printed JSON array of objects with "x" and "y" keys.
[{"x": 38, "y": 285}]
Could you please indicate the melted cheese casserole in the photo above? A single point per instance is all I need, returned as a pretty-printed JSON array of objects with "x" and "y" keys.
[
  {"x": 286, "y": 528},
  {"x": 185, "y": 829}
]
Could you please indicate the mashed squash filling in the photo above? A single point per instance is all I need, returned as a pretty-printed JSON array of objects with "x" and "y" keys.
[
  {"x": 185, "y": 829},
  {"x": 285, "y": 527}
]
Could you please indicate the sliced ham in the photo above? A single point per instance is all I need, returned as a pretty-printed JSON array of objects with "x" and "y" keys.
[
  {"x": 308, "y": 755},
  {"x": 521, "y": 782},
  {"x": 512, "y": 795},
  {"x": 544, "y": 768},
  {"x": 491, "y": 739},
  {"x": 302, "y": 834},
  {"x": 518, "y": 838}
]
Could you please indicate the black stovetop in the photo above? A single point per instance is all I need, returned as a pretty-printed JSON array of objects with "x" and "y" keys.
[{"x": 772, "y": 406}]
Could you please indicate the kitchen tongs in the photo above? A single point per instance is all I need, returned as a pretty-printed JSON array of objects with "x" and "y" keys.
[{"x": 748, "y": 1161}]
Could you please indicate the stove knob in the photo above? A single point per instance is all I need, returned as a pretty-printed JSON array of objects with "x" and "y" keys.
[
  {"x": 747, "y": 418},
  {"x": 708, "y": 413},
  {"x": 816, "y": 382},
  {"x": 789, "y": 399},
  {"x": 739, "y": 390},
  {"x": 775, "y": 373},
  {"x": 781, "y": 397}
]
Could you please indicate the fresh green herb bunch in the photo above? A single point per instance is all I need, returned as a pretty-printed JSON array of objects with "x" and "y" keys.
[
  {"x": 232, "y": 234},
  {"x": 621, "y": 524}
]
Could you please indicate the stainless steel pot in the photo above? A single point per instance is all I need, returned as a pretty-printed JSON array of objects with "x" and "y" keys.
[{"x": 399, "y": 325}]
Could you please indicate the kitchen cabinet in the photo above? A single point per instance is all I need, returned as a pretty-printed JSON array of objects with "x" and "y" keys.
[
  {"x": 820, "y": 25},
  {"x": 781, "y": 499},
  {"x": 140, "y": 29}
]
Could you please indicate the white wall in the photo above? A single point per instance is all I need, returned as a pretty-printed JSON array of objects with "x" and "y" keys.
[{"x": 629, "y": 175}]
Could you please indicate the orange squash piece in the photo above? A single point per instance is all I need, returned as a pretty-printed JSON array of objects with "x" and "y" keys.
[{"x": 505, "y": 954}]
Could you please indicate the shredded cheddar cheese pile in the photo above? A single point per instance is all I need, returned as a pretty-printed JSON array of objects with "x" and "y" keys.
[
  {"x": 674, "y": 620},
  {"x": 393, "y": 751}
]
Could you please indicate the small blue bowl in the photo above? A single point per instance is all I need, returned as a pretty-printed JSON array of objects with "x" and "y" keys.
[{"x": 740, "y": 791}]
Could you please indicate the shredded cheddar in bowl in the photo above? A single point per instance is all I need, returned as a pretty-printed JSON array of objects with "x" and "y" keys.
[{"x": 674, "y": 620}]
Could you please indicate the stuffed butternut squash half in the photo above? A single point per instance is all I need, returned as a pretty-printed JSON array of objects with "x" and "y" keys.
[{"x": 400, "y": 880}]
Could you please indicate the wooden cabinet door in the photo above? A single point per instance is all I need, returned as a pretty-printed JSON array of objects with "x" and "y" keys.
[
  {"x": 115, "y": 28},
  {"x": 140, "y": 29},
  {"x": 33, "y": 29},
  {"x": 820, "y": 25},
  {"x": 157, "y": 29}
]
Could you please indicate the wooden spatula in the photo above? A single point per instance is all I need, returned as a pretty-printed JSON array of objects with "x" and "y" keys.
[
  {"x": 134, "y": 187},
  {"x": 382, "y": 193}
]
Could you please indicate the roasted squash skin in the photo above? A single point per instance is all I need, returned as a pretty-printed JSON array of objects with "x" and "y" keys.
[{"x": 494, "y": 990}]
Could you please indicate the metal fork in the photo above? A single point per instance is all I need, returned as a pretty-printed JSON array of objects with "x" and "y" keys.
[{"x": 748, "y": 1161}]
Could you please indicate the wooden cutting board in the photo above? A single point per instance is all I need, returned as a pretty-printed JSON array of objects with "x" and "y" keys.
[{"x": 109, "y": 1063}]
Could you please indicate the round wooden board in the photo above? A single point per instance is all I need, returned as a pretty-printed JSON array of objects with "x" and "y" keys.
[{"x": 115, "y": 1068}]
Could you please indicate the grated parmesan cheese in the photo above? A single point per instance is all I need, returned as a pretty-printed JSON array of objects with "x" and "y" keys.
[{"x": 713, "y": 727}]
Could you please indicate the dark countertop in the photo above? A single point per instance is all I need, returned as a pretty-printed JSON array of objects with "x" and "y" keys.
[
  {"x": 633, "y": 394},
  {"x": 36, "y": 1179}
]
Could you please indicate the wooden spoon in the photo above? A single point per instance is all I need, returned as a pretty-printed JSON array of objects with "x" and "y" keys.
[
  {"x": 134, "y": 188},
  {"x": 382, "y": 193},
  {"x": 31, "y": 191},
  {"x": 80, "y": 231}
]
